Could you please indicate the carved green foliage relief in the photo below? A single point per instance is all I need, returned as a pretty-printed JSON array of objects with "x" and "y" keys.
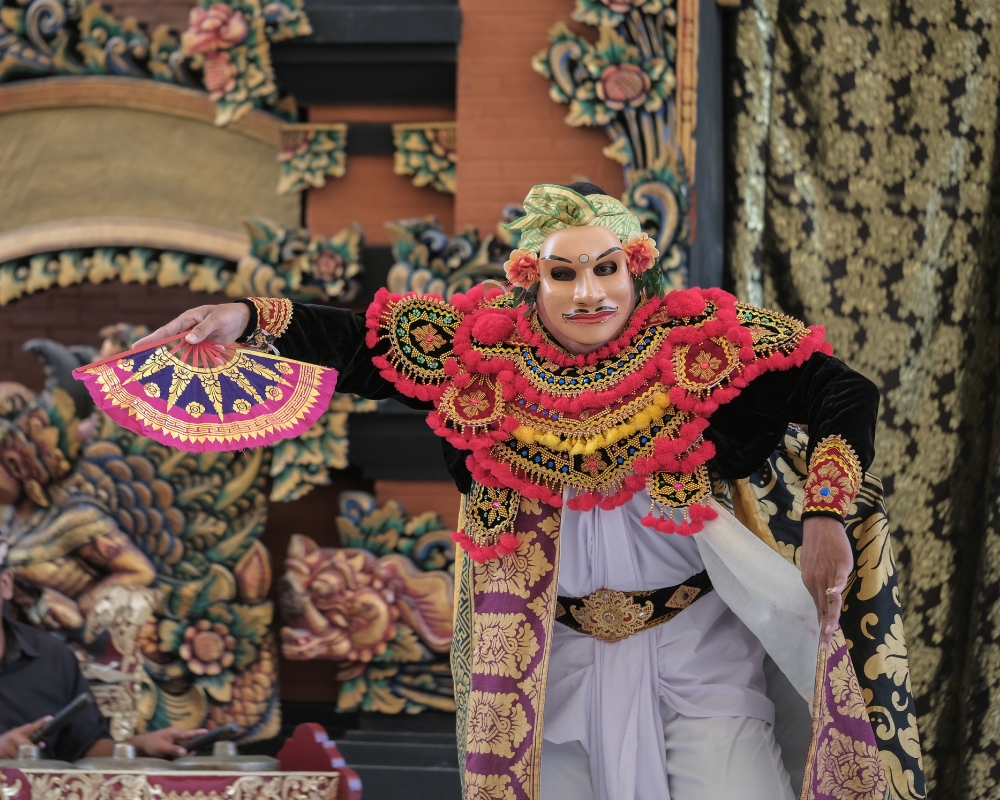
[
  {"x": 55, "y": 37},
  {"x": 864, "y": 153},
  {"x": 429, "y": 261},
  {"x": 231, "y": 41},
  {"x": 226, "y": 48},
  {"x": 626, "y": 83}
]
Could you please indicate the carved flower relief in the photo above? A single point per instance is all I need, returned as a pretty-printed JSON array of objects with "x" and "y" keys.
[
  {"x": 327, "y": 266},
  {"x": 220, "y": 75},
  {"x": 497, "y": 723},
  {"x": 623, "y": 85},
  {"x": 505, "y": 645},
  {"x": 218, "y": 27},
  {"x": 211, "y": 32},
  {"x": 225, "y": 639},
  {"x": 208, "y": 648},
  {"x": 851, "y": 769}
]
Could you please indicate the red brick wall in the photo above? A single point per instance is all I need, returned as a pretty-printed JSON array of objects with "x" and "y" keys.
[
  {"x": 511, "y": 135},
  {"x": 154, "y": 12},
  {"x": 74, "y": 315}
]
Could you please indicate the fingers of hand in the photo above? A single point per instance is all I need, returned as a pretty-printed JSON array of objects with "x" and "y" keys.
[
  {"x": 180, "y": 324},
  {"x": 205, "y": 329},
  {"x": 31, "y": 727}
]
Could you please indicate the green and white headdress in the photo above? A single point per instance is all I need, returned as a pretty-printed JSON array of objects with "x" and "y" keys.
[{"x": 550, "y": 208}]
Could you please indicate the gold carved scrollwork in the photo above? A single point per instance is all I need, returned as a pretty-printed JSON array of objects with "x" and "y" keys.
[{"x": 141, "y": 786}]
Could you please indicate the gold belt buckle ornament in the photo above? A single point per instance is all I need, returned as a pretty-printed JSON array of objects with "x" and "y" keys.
[{"x": 611, "y": 616}]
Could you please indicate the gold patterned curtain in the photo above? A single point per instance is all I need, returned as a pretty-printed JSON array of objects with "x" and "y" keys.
[{"x": 865, "y": 198}]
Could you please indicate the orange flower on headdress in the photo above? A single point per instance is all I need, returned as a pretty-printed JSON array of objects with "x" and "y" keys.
[
  {"x": 641, "y": 253},
  {"x": 522, "y": 268}
]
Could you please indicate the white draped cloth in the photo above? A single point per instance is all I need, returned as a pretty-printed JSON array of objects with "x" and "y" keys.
[{"x": 705, "y": 662}]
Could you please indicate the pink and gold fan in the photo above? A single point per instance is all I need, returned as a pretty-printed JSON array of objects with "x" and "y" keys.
[{"x": 208, "y": 396}]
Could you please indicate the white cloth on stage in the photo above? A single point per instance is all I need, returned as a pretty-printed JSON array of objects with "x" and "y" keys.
[
  {"x": 707, "y": 758},
  {"x": 704, "y": 663}
]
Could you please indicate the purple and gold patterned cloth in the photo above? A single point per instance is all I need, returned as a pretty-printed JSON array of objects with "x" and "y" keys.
[
  {"x": 505, "y": 612},
  {"x": 507, "y": 666},
  {"x": 843, "y": 761}
]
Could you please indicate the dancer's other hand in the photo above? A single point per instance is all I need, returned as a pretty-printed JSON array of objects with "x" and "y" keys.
[
  {"x": 827, "y": 561},
  {"x": 222, "y": 323}
]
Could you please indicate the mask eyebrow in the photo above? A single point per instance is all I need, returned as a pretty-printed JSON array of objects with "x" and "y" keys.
[
  {"x": 557, "y": 258},
  {"x": 609, "y": 252}
]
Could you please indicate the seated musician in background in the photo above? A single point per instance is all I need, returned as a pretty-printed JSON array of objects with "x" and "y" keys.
[{"x": 39, "y": 675}]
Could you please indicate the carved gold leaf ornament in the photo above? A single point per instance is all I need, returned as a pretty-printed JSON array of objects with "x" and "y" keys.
[
  {"x": 309, "y": 153},
  {"x": 428, "y": 153}
]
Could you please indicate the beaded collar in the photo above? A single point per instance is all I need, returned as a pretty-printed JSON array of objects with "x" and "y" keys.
[{"x": 536, "y": 419}]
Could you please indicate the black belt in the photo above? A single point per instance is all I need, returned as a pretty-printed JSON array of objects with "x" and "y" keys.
[{"x": 611, "y": 616}]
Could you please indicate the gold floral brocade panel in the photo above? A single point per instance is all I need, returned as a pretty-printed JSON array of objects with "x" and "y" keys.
[{"x": 864, "y": 152}]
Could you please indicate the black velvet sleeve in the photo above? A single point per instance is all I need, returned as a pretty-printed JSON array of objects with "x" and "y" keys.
[
  {"x": 824, "y": 395},
  {"x": 335, "y": 337}
]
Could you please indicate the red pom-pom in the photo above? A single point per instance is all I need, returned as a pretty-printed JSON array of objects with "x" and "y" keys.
[
  {"x": 508, "y": 544},
  {"x": 463, "y": 380},
  {"x": 492, "y": 328},
  {"x": 685, "y": 303}
]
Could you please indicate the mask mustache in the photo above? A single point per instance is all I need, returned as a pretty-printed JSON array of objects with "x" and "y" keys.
[{"x": 599, "y": 310}]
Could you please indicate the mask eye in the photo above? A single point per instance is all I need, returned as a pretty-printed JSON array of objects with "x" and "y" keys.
[
  {"x": 563, "y": 274},
  {"x": 606, "y": 268}
]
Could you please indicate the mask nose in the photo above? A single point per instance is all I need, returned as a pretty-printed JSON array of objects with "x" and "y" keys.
[{"x": 588, "y": 290}]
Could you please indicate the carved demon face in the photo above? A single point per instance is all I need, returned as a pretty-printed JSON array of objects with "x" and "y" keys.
[{"x": 344, "y": 604}]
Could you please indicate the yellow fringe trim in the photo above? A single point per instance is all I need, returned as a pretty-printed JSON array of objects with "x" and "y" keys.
[{"x": 585, "y": 446}]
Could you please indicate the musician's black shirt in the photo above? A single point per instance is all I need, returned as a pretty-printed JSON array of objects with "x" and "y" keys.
[{"x": 39, "y": 675}]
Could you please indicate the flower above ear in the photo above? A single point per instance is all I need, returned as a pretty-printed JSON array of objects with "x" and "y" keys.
[
  {"x": 641, "y": 253},
  {"x": 522, "y": 268}
]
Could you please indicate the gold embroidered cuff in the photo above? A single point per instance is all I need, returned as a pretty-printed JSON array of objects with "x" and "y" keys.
[
  {"x": 274, "y": 314},
  {"x": 834, "y": 477}
]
